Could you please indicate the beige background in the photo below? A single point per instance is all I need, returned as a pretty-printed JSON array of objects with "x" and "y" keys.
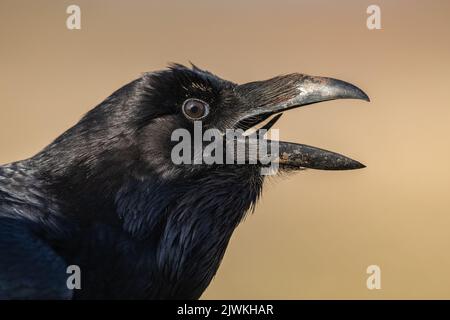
[{"x": 313, "y": 234}]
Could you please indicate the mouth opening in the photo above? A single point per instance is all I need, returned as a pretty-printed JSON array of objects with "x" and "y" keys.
[
  {"x": 252, "y": 121},
  {"x": 254, "y": 124},
  {"x": 294, "y": 156}
]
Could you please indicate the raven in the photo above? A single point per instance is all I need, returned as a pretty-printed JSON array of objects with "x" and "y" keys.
[{"x": 106, "y": 196}]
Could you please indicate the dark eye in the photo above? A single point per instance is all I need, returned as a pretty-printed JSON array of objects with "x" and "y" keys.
[{"x": 195, "y": 109}]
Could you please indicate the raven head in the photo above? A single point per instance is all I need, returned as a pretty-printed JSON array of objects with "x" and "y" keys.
[{"x": 179, "y": 97}]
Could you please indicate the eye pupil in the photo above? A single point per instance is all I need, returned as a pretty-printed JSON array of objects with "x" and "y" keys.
[{"x": 195, "y": 109}]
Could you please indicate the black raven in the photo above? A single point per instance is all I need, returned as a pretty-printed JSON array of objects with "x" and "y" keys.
[{"x": 107, "y": 197}]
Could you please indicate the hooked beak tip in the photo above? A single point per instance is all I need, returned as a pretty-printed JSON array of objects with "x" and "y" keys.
[
  {"x": 364, "y": 96},
  {"x": 344, "y": 90}
]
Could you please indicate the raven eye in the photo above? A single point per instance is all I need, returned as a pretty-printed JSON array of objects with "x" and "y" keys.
[{"x": 195, "y": 109}]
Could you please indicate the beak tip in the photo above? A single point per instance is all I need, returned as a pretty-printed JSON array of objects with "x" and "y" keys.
[
  {"x": 357, "y": 93},
  {"x": 346, "y": 90},
  {"x": 364, "y": 96},
  {"x": 358, "y": 165},
  {"x": 349, "y": 164}
]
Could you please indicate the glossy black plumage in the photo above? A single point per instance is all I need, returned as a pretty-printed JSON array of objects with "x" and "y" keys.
[
  {"x": 105, "y": 195},
  {"x": 87, "y": 200}
]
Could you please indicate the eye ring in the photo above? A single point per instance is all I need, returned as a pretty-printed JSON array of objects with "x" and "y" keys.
[{"x": 195, "y": 109}]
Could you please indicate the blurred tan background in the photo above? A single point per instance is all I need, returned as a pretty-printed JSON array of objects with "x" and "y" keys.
[{"x": 313, "y": 234}]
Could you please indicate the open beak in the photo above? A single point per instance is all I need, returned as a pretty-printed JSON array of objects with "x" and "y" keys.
[{"x": 263, "y": 99}]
